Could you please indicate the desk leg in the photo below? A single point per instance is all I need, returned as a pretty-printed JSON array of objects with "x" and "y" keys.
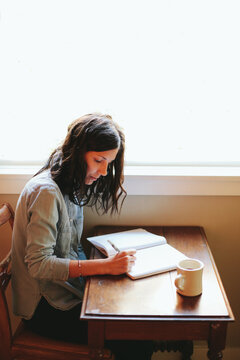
[
  {"x": 217, "y": 340},
  {"x": 96, "y": 341}
]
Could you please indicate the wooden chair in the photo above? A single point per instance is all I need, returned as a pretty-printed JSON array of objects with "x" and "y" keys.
[{"x": 24, "y": 344}]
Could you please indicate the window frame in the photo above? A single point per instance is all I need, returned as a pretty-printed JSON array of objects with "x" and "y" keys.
[{"x": 149, "y": 180}]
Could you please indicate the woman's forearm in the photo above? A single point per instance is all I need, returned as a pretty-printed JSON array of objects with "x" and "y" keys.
[
  {"x": 114, "y": 265},
  {"x": 85, "y": 267}
]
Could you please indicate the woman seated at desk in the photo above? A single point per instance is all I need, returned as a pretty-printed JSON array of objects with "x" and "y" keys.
[{"x": 48, "y": 260}]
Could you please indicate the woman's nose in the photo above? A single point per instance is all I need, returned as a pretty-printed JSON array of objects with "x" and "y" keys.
[{"x": 103, "y": 169}]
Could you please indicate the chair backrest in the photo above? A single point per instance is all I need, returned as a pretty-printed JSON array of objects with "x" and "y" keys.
[{"x": 6, "y": 215}]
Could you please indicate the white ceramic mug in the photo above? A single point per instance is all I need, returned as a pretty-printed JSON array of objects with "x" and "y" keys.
[{"x": 189, "y": 277}]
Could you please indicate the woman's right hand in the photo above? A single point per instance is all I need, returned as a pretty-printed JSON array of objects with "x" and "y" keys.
[{"x": 120, "y": 263}]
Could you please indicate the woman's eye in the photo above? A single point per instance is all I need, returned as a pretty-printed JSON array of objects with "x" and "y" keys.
[{"x": 97, "y": 161}]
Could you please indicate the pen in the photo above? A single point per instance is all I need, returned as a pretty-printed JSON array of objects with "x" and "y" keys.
[{"x": 114, "y": 246}]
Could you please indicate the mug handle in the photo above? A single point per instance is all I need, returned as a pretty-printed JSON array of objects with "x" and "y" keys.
[{"x": 179, "y": 281}]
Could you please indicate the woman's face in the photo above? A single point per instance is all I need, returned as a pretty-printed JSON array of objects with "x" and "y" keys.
[{"x": 97, "y": 164}]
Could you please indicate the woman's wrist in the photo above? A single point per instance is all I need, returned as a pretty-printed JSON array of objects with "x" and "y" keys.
[
  {"x": 75, "y": 268},
  {"x": 87, "y": 267},
  {"x": 94, "y": 267}
]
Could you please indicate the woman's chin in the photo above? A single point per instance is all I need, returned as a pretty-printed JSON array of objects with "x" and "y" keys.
[{"x": 90, "y": 181}]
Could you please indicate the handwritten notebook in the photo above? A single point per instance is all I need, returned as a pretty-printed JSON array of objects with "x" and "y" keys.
[{"x": 153, "y": 254}]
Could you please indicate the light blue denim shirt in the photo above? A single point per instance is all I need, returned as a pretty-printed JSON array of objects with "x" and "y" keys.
[{"x": 46, "y": 235}]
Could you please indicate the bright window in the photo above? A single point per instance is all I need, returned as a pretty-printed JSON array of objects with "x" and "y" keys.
[{"x": 168, "y": 71}]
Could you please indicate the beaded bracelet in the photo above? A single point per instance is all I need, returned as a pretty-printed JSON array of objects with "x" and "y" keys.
[{"x": 80, "y": 267}]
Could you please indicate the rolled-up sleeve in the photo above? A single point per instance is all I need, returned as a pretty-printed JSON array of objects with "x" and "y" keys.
[{"x": 44, "y": 210}]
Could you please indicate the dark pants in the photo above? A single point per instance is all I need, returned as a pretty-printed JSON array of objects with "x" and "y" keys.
[{"x": 66, "y": 325}]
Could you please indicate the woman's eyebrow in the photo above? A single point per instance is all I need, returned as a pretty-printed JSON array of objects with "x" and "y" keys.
[
  {"x": 102, "y": 157},
  {"x": 106, "y": 159}
]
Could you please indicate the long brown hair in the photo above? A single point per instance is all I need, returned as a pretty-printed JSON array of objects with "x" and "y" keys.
[{"x": 92, "y": 132}]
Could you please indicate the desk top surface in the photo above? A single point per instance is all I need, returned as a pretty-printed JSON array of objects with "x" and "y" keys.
[{"x": 155, "y": 297}]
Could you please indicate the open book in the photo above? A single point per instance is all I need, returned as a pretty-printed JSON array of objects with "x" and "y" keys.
[{"x": 153, "y": 254}]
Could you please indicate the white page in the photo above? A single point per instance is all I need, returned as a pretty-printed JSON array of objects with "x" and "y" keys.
[
  {"x": 134, "y": 239},
  {"x": 154, "y": 260}
]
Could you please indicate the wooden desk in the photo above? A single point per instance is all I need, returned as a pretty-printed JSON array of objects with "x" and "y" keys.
[{"x": 117, "y": 307}]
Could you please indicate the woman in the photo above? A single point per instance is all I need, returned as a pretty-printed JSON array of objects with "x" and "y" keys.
[{"x": 48, "y": 260}]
